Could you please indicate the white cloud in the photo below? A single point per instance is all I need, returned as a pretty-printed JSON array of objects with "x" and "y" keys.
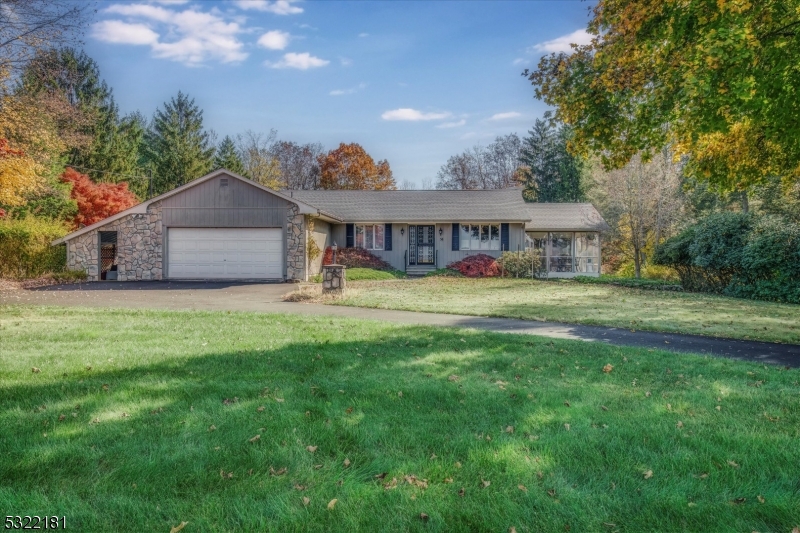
[
  {"x": 520, "y": 61},
  {"x": 363, "y": 34},
  {"x": 302, "y": 61},
  {"x": 505, "y": 116},
  {"x": 278, "y": 7},
  {"x": 408, "y": 114},
  {"x": 456, "y": 124},
  {"x": 562, "y": 44},
  {"x": 118, "y": 32},
  {"x": 351, "y": 90},
  {"x": 274, "y": 40},
  {"x": 190, "y": 36}
]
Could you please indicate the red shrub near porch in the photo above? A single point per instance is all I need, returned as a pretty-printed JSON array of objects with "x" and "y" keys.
[
  {"x": 355, "y": 258},
  {"x": 477, "y": 266}
]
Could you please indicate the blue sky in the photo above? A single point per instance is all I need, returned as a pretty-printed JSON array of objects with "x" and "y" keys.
[{"x": 414, "y": 82}]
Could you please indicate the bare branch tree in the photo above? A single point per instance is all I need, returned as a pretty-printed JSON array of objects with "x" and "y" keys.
[
  {"x": 255, "y": 150},
  {"x": 407, "y": 185},
  {"x": 493, "y": 167},
  {"x": 29, "y": 26},
  {"x": 298, "y": 163}
]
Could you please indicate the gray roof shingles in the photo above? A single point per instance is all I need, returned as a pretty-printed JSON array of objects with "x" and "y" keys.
[{"x": 499, "y": 205}]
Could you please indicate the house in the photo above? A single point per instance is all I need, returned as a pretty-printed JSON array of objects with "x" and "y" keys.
[{"x": 224, "y": 226}]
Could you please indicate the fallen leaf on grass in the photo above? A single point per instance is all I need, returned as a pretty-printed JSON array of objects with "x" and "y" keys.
[
  {"x": 225, "y": 475},
  {"x": 461, "y": 492},
  {"x": 458, "y": 464},
  {"x": 648, "y": 474},
  {"x": 509, "y": 429},
  {"x": 604, "y": 408},
  {"x": 332, "y": 504},
  {"x": 453, "y": 377},
  {"x": 255, "y": 439},
  {"x": 279, "y": 400},
  {"x": 733, "y": 464},
  {"x": 413, "y": 480},
  {"x": 278, "y": 472},
  {"x": 608, "y": 368},
  {"x": 448, "y": 480},
  {"x": 228, "y": 401},
  {"x": 306, "y": 501},
  {"x": 36, "y": 370},
  {"x": 512, "y": 529},
  {"x": 312, "y": 449},
  {"x": 647, "y": 394},
  {"x": 738, "y": 501},
  {"x": 400, "y": 394},
  {"x": 485, "y": 483},
  {"x": 423, "y": 517},
  {"x": 212, "y": 427},
  {"x": 679, "y": 424},
  {"x": 566, "y": 426},
  {"x": 299, "y": 487},
  {"x": 760, "y": 498},
  {"x": 261, "y": 409},
  {"x": 522, "y": 487},
  {"x": 718, "y": 408},
  {"x": 346, "y": 462},
  {"x": 391, "y": 485},
  {"x": 567, "y": 404},
  {"x": 349, "y": 410},
  {"x": 178, "y": 527},
  {"x": 551, "y": 493},
  {"x": 381, "y": 475},
  {"x": 61, "y": 418}
]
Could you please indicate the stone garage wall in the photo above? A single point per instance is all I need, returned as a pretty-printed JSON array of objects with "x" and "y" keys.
[
  {"x": 140, "y": 247},
  {"x": 295, "y": 245}
]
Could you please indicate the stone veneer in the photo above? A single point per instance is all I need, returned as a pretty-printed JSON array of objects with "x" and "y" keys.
[
  {"x": 140, "y": 245},
  {"x": 295, "y": 244},
  {"x": 333, "y": 279}
]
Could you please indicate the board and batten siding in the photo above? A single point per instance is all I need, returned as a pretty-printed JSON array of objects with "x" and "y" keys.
[
  {"x": 237, "y": 205},
  {"x": 397, "y": 256},
  {"x": 322, "y": 236}
]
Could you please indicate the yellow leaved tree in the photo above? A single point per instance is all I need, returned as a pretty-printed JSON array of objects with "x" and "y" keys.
[{"x": 19, "y": 174}]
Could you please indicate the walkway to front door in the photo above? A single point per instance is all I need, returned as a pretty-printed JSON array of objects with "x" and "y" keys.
[{"x": 421, "y": 243}]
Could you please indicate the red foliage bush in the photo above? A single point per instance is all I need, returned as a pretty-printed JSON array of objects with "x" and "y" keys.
[
  {"x": 355, "y": 258},
  {"x": 477, "y": 266},
  {"x": 97, "y": 201}
]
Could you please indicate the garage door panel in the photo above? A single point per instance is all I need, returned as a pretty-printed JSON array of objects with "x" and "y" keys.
[{"x": 225, "y": 253}]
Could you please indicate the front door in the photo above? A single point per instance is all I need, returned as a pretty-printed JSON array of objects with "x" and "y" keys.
[{"x": 421, "y": 244}]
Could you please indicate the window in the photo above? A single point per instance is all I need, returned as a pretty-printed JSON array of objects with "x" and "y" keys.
[
  {"x": 560, "y": 252},
  {"x": 587, "y": 252},
  {"x": 370, "y": 236},
  {"x": 480, "y": 236}
]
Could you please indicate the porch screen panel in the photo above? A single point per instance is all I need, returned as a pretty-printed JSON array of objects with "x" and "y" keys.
[
  {"x": 587, "y": 252},
  {"x": 560, "y": 252}
]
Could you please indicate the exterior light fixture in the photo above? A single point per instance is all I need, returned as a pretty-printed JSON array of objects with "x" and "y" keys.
[
  {"x": 402, "y": 231},
  {"x": 335, "y": 248},
  {"x": 440, "y": 232}
]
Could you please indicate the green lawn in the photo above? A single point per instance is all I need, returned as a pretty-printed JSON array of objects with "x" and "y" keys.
[
  {"x": 140, "y": 420},
  {"x": 581, "y": 303}
]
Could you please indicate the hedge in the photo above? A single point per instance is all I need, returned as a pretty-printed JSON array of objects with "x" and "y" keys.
[{"x": 25, "y": 250}]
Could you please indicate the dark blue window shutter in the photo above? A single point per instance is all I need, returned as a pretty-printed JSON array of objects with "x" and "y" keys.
[
  {"x": 349, "y": 235},
  {"x": 387, "y": 237},
  {"x": 456, "y": 234},
  {"x": 504, "y": 236}
]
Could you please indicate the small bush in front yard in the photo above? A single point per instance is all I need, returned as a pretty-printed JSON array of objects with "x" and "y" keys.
[
  {"x": 477, "y": 266},
  {"x": 355, "y": 258},
  {"x": 519, "y": 264},
  {"x": 25, "y": 250}
]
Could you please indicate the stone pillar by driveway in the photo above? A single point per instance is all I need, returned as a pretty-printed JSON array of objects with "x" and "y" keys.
[
  {"x": 295, "y": 245},
  {"x": 334, "y": 279}
]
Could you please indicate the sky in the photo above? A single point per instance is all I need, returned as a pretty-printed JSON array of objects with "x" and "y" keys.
[{"x": 413, "y": 82}]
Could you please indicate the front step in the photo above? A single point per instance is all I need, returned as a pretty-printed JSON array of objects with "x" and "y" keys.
[{"x": 418, "y": 271}]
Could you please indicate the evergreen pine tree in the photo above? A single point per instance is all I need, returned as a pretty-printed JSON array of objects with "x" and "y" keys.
[
  {"x": 550, "y": 172},
  {"x": 227, "y": 157},
  {"x": 177, "y": 148}
]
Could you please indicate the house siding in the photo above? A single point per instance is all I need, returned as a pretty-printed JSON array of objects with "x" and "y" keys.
[
  {"x": 239, "y": 205},
  {"x": 445, "y": 255},
  {"x": 322, "y": 236}
]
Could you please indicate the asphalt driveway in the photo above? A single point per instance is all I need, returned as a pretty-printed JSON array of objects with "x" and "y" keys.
[{"x": 267, "y": 298}]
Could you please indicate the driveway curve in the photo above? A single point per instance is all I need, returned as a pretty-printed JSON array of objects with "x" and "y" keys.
[{"x": 267, "y": 298}]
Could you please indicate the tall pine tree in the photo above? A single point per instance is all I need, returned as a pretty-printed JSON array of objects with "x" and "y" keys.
[
  {"x": 550, "y": 172},
  {"x": 227, "y": 156},
  {"x": 112, "y": 147},
  {"x": 177, "y": 148}
]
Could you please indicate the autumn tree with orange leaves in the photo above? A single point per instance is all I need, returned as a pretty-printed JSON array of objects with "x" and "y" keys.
[
  {"x": 350, "y": 167},
  {"x": 97, "y": 201}
]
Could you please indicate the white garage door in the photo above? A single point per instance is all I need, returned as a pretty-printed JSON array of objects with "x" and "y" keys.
[{"x": 225, "y": 253}]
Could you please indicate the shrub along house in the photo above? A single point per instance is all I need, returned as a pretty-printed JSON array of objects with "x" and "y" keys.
[{"x": 224, "y": 226}]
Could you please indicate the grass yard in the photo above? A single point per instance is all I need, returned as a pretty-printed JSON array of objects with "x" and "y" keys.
[
  {"x": 141, "y": 420},
  {"x": 580, "y": 303}
]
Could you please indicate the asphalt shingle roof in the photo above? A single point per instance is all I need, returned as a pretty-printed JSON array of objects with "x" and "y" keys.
[
  {"x": 552, "y": 217},
  {"x": 419, "y": 206}
]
